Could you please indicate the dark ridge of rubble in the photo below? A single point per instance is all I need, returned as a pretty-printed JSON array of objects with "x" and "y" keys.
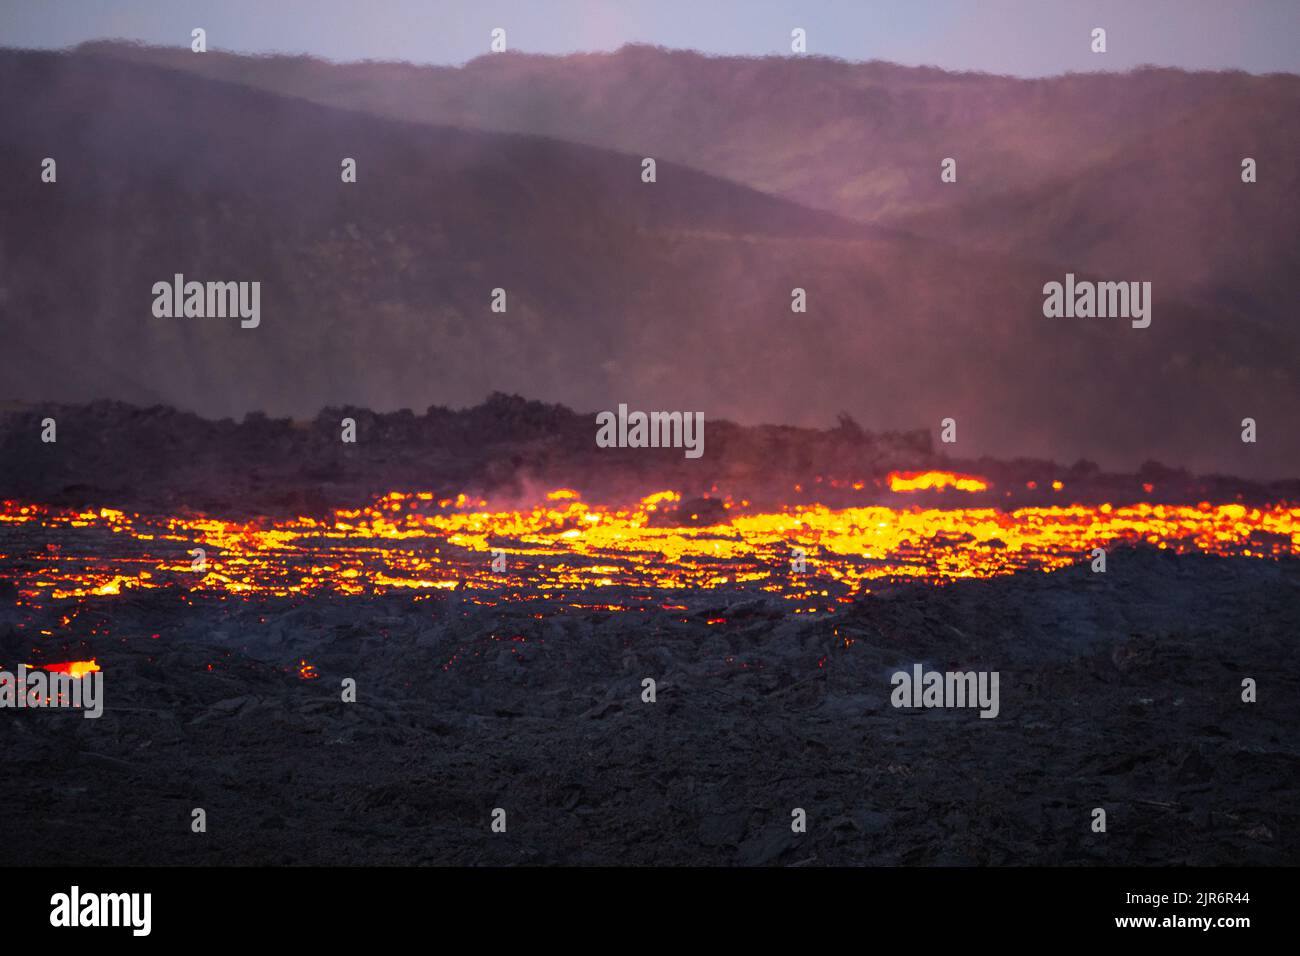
[
  {"x": 119, "y": 455},
  {"x": 158, "y": 459}
]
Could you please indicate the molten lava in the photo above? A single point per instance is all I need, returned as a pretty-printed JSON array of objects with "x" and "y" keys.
[
  {"x": 927, "y": 480},
  {"x": 74, "y": 668},
  {"x": 564, "y": 548}
]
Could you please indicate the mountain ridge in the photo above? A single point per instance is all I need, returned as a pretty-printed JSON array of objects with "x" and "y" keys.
[{"x": 671, "y": 295}]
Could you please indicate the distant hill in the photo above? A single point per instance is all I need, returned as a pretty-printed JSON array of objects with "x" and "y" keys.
[
  {"x": 672, "y": 295},
  {"x": 1100, "y": 172}
]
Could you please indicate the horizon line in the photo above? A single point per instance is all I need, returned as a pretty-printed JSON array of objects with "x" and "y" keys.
[{"x": 639, "y": 45}]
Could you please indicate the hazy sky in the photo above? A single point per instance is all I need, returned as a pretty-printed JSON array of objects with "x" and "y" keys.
[{"x": 1025, "y": 37}]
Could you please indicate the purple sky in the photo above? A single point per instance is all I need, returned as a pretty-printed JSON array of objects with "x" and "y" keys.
[{"x": 1024, "y": 37}]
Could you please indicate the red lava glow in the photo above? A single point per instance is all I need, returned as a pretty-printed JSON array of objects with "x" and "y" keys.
[{"x": 75, "y": 668}]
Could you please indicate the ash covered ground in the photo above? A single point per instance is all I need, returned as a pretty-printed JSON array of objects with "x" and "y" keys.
[{"x": 1119, "y": 690}]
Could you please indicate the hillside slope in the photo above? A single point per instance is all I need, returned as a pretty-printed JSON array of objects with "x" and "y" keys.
[
  {"x": 1137, "y": 172},
  {"x": 674, "y": 295}
]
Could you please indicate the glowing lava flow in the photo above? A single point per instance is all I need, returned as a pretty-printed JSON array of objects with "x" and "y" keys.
[
  {"x": 73, "y": 668},
  {"x": 564, "y": 548},
  {"x": 926, "y": 480}
]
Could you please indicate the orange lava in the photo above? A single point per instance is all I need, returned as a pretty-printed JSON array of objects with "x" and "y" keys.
[
  {"x": 927, "y": 480},
  {"x": 563, "y": 548},
  {"x": 74, "y": 668}
]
